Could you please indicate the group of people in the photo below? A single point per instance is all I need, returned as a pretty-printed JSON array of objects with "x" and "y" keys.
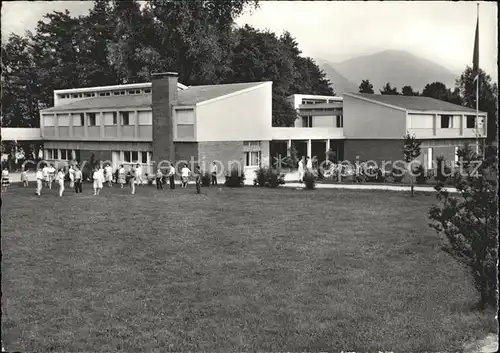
[
  {"x": 308, "y": 167},
  {"x": 47, "y": 174}
]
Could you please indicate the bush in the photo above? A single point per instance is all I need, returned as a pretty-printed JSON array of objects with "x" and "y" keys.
[
  {"x": 469, "y": 223},
  {"x": 268, "y": 177},
  {"x": 371, "y": 174},
  {"x": 206, "y": 178},
  {"x": 420, "y": 174},
  {"x": 443, "y": 171},
  {"x": 397, "y": 175},
  {"x": 235, "y": 178},
  {"x": 309, "y": 180}
]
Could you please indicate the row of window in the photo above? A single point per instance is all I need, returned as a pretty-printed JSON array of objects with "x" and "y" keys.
[
  {"x": 62, "y": 154},
  {"x": 135, "y": 156},
  {"x": 110, "y": 119},
  {"x": 317, "y": 101},
  {"x": 447, "y": 122},
  {"x": 105, "y": 94},
  {"x": 307, "y": 121}
]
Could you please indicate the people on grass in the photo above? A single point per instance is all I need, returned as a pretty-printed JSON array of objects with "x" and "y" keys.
[
  {"x": 71, "y": 176},
  {"x": 24, "y": 177},
  {"x": 60, "y": 180},
  {"x": 52, "y": 175},
  {"x": 98, "y": 181},
  {"x": 39, "y": 181},
  {"x": 198, "y": 179},
  {"x": 185, "y": 173},
  {"x": 301, "y": 169},
  {"x": 214, "y": 173},
  {"x": 159, "y": 179},
  {"x": 132, "y": 179},
  {"x": 109, "y": 174},
  {"x": 5, "y": 179},
  {"x": 138, "y": 174},
  {"x": 171, "y": 176},
  {"x": 121, "y": 176},
  {"x": 45, "y": 172},
  {"x": 78, "y": 180}
]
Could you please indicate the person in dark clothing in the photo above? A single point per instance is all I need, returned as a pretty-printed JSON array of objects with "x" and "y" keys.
[
  {"x": 171, "y": 176},
  {"x": 198, "y": 179}
]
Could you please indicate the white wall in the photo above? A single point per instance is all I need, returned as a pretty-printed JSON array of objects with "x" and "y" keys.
[
  {"x": 145, "y": 117},
  {"x": 420, "y": 121},
  {"x": 324, "y": 121},
  {"x": 240, "y": 117}
]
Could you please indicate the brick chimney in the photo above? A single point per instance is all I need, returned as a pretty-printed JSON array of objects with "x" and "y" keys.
[{"x": 164, "y": 97}]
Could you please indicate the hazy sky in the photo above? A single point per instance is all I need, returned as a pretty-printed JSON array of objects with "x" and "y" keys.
[{"x": 439, "y": 31}]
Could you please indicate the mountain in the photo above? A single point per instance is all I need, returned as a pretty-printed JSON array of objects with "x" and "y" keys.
[
  {"x": 339, "y": 83},
  {"x": 400, "y": 68}
]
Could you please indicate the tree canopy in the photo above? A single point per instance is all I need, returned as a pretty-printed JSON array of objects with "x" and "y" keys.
[
  {"x": 121, "y": 42},
  {"x": 366, "y": 87}
]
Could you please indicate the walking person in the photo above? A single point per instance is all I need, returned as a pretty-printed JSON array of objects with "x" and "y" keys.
[
  {"x": 52, "y": 175},
  {"x": 5, "y": 179},
  {"x": 109, "y": 174},
  {"x": 159, "y": 180},
  {"x": 133, "y": 174},
  {"x": 71, "y": 176},
  {"x": 138, "y": 174},
  {"x": 121, "y": 176},
  {"x": 309, "y": 164},
  {"x": 214, "y": 173},
  {"x": 78, "y": 180},
  {"x": 185, "y": 173},
  {"x": 171, "y": 176},
  {"x": 301, "y": 170},
  {"x": 24, "y": 177},
  {"x": 39, "y": 181},
  {"x": 97, "y": 184},
  {"x": 60, "y": 180},
  {"x": 45, "y": 172},
  {"x": 198, "y": 179}
]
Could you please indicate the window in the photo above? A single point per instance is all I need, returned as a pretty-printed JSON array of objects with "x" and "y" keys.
[
  {"x": 144, "y": 157},
  {"x": 471, "y": 122},
  {"x": 340, "y": 121},
  {"x": 48, "y": 120},
  {"x": 252, "y": 159},
  {"x": 185, "y": 131},
  {"x": 63, "y": 120},
  {"x": 89, "y": 94},
  {"x": 147, "y": 90},
  {"x": 115, "y": 118},
  {"x": 92, "y": 119},
  {"x": 82, "y": 119},
  {"x": 75, "y": 95},
  {"x": 116, "y": 93},
  {"x": 251, "y": 143},
  {"x": 134, "y": 91},
  {"x": 307, "y": 121},
  {"x": 125, "y": 118},
  {"x": 64, "y": 154},
  {"x": 446, "y": 121},
  {"x": 135, "y": 156},
  {"x": 55, "y": 153},
  {"x": 127, "y": 156}
]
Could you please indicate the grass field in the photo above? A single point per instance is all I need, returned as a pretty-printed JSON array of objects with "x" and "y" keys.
[{"x": 233, "y": 270}]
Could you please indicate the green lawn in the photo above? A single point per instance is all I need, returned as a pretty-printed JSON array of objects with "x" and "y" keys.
[{"x": 232, "y": 270}]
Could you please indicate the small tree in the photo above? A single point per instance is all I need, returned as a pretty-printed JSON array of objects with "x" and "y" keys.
[
  {"x": 469, "y": 222},
  {"x": 365, "y": 87},
  {"x": 411, "y": 150}
]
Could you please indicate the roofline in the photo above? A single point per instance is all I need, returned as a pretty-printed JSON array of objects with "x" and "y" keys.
[
  {"x": 244, "y": 90},
  {"x": 313, "y": 96},
  {"x": 447, "y": 112},
  {"x": 95, "y": 109},
  {"x": 126, "y": 86},
  {"x": 354, "y": 95}
]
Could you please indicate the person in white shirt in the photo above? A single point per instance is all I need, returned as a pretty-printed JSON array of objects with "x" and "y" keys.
[
  {"x": 71, "y": 176},
  {"x": 39, "y": 181},
  {"x": 171, "y": 176},
  {"x": 52, "y": 175},
  {"x": 5, "y": 179},
  {"x": 45, "y": 172},
  {"x": 301, "y": 169},
  {"x": 97, "y": 184},
  {"x": 214, "y": 173},
  {"x": 121, "y": 176},
  {"x": 185, "y": 173},
  {"x": 138, "y": 174},
  {"x": 109, "y": 174},
  {"x": 309, "y": 164},
  {"x": 60, "y": 180}
]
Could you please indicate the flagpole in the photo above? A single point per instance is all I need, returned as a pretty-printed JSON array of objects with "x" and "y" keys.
[{"x": 477, "y": 96}]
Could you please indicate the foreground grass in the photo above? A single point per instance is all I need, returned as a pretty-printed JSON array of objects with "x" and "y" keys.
[{"x": 232, "y": 270}]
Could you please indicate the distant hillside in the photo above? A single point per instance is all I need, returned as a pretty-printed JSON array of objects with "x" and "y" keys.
[
  {"x": 339, "y": 83},
  {"x": 400, "y": 68}
]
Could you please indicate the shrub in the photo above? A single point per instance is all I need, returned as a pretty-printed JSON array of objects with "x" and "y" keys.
[
  {"x": 469, "y": 223},
  {"x": 397, "y": 175},
  {"x": 268, "y": 177},
  {"x": 420, "y": 174},
  {"x": 443, "y": 171},
  {"x": 371, "y": 174},
  {"x": 206, "y": 178},
  {"x": 261, "y": 176},
  {"x": 309, "y": 180},
  {"x": 235, "y": 178}
]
